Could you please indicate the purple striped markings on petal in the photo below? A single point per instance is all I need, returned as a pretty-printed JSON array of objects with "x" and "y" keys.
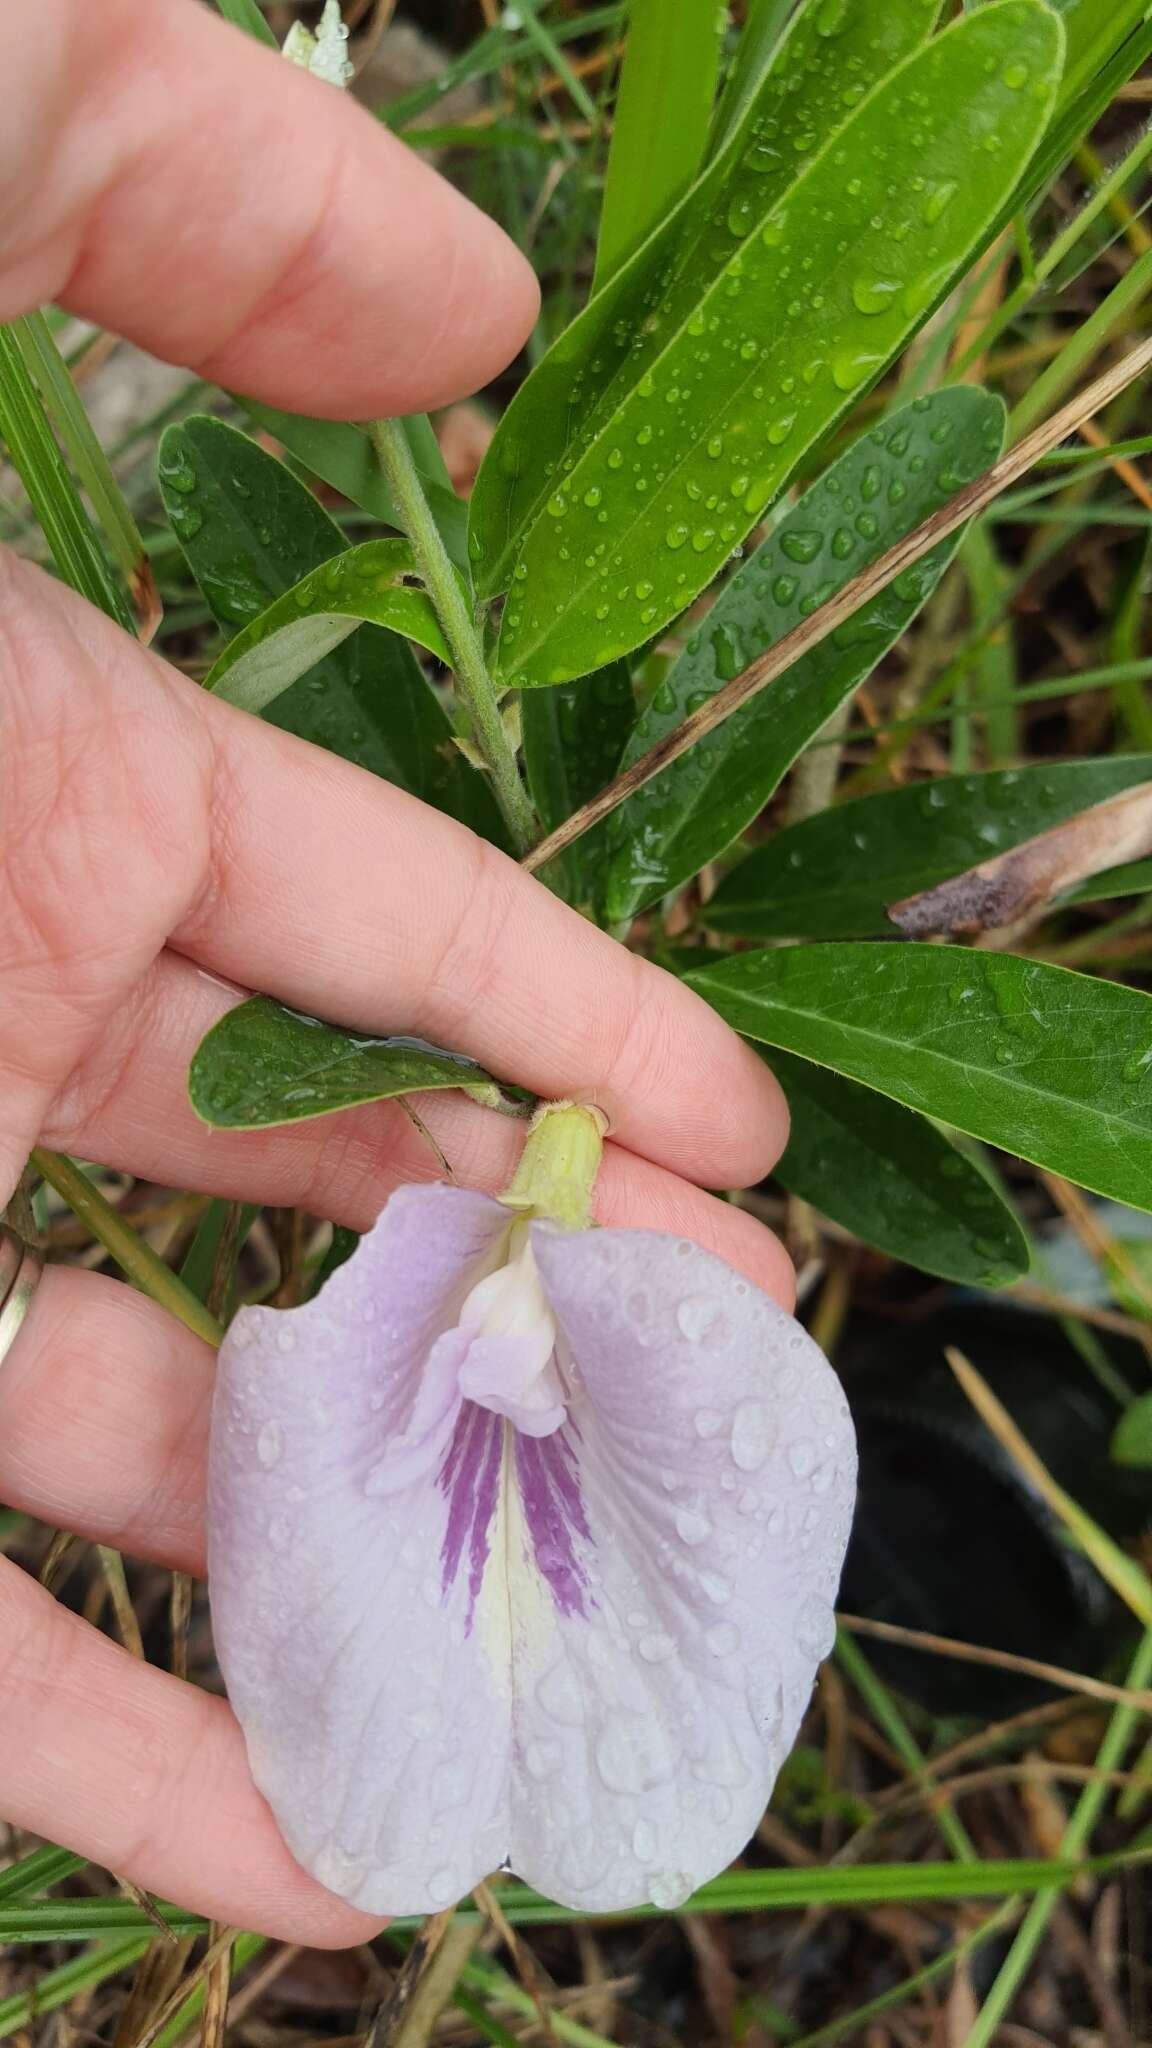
[{"x": 523, "y": 1543}]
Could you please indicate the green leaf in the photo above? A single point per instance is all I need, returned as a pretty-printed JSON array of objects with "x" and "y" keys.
[
  {"x": 1132, "y": 1442},
  {"x": 891, "y": 480},
  {"x": 263, "y": 1065},
  {"x": 59, "y": 1986},
  {"x": 1130, "y": 879},
  {"x": 246, "y": 15},
  {"x": 344, "y": 457},
  {"x": 663, "y": 108},
  {"x": 573, "y": 739},
  {"x": 250, "y": 531},
  {"x": 1090, "y": 83},
  {"x": 820, "y": 290},
  {"x": 833, "y": 876},
  {"x": 35, "y": 1872},
  {"x": 620, "y": 337},
  {"x": 764, "y": 25},
  {"x": 1048, "y": 1064},
  {"x": 361, "y": 586},
  {"x": 892, "y": 1179},
  {"x": 82, "y": 446},
  {"x": 735, "y": 1891},
  {"x": 51, "y": 488}
]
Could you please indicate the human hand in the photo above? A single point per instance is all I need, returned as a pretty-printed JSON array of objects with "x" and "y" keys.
[{"x": 166, "y": 177}]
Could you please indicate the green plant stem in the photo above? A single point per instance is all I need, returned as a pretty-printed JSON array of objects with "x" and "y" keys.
[
  {"x": 472, "y": 678},
  {"x": 887, "y": 1713},
  {"x": 1085, "y": 1814},
  {"x": 126, "y": 1246}
]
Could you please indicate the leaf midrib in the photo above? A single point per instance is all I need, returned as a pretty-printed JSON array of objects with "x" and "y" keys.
[
  {"x": 578, "y": 591},
  {"x": 1003, "y": 1079}
]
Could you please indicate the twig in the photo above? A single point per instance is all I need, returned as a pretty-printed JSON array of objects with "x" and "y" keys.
[{"x": 1004, "y": 1660}]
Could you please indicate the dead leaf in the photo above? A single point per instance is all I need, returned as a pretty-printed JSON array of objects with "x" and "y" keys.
[{"x": 1004, "y": 888}]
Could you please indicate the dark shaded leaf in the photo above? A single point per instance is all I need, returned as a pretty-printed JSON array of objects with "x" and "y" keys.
[
  {"x": 573, "y": 740},
  {"x": 250, "y": 531},
  {"x": 894, "y": 1180},
  {"x": 834, "y": 875}
]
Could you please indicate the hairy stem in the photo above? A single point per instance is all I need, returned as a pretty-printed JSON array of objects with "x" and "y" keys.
[{"x": 472, "y": 678}]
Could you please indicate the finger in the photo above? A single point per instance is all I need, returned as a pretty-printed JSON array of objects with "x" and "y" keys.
[
  {"x": 166, "y": 176},
  {"x": 127, "y": 1105},
  {"x": 104, "y": 1399},
  {"x": 145, "y": 1775},
  {"x": 277, "y": 864}
]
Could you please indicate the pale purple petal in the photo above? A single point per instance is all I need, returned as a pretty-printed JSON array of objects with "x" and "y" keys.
[
  {"x": 374, "y": 1702},
  {"x": 700, "y": 1525},
  {"x": 451, "y": 1642}
]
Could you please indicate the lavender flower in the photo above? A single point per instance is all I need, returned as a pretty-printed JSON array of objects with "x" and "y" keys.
[{"x": 523, "y": 1543}]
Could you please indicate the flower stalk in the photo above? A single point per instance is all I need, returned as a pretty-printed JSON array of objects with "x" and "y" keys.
[{"x": 452, "y": 608}]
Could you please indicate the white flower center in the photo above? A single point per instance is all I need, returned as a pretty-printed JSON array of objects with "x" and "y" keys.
[{"x": 511, "y": 1364}]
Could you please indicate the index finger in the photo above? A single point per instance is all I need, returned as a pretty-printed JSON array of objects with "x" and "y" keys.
[
  {"x": 287, "y": 869},
  {"x": 166, "y": 176}
]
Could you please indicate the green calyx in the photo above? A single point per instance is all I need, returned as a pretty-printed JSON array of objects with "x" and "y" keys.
[{"x": 559, "y": 1164}]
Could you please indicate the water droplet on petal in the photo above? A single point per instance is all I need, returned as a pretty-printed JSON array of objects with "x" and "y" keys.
[
  {"x": 815, "y": 1627},
  {"x": 270, "y": 1444},
  {"x": 656, "y": 1647},
  {"x": 708, "y": 1422},
  {"x": 644, "y": 1841},
  {"x": 692, "y": 1526},
  {"x": 751, "y": 1435},
  {"x": 669, "y": 1889}
]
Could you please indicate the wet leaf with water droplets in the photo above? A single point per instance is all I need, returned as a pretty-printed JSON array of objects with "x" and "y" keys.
[
  {"x": 684, "y": 817},
  {"x": 263, "y": 1065},
  {"x": 1048, "y": 1064},
  {"x": 782, "y": 337},
  {"x": 832, "y": 876},
  {"x": 661, "y": 290}
]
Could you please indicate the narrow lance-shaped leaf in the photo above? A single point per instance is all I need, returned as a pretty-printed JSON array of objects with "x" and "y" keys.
[
  {"x": 805, "y": 94},
  {"x": 894, "y": 1180},
  {"x": 1045, "y": 1063},
  {"x": 362, "y": 586},
  {"x": 250, "y": 530},
  {"x": 834, "y": 876},
  {"x": 816, "y": 299},
  {"x": 264, "y": 1065},
  {"x": 887, "y": 484},
  {"x": 57, "y": 503},
  {"x": 661, "y": 120}
]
